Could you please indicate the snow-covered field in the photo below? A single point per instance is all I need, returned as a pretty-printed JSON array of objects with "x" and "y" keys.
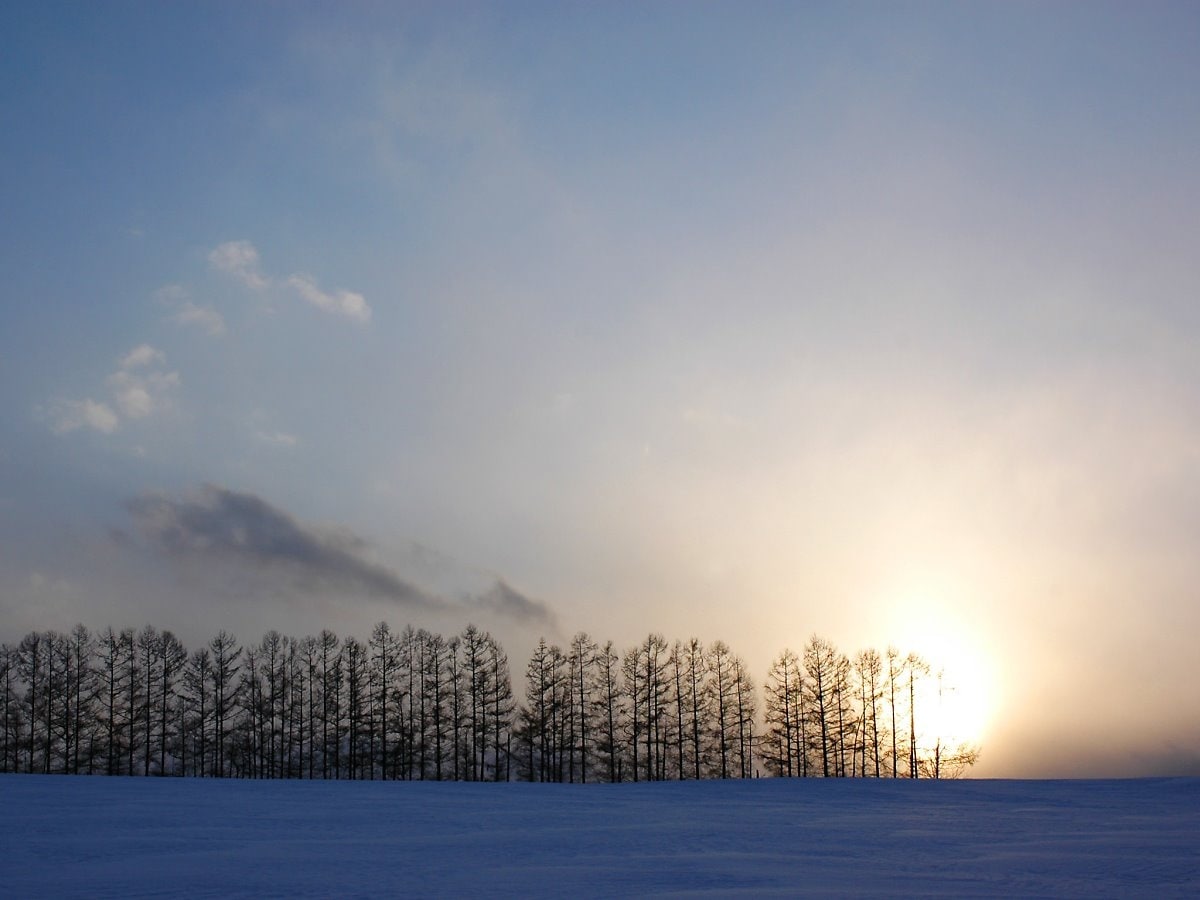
[{"x": 124, "y": 837}]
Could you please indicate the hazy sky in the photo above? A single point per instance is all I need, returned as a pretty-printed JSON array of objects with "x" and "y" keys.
[{"x": 741, "y": 322}]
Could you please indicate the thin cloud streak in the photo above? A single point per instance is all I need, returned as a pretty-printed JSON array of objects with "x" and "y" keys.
[
  {"x": 341, "y": 303},
  {"x": 240, "y": 260},
  {"x": 505, "y": 600}
]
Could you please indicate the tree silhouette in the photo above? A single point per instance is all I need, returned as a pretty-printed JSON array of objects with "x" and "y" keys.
[{"x": 415, "y": 705}]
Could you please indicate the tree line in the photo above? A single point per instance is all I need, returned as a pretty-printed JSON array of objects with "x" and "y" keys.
[{"x": 412, "y": 704}]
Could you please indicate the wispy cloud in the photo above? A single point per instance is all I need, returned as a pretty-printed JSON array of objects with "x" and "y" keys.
[
  {"x": 66, "y": 416},
  {"x": 505, "y": 600},
  {"x": 342, "y": 303},
  {"x": 203, "y": 317},
  {"x": 282, "y": 553},
  {"x": 142, "y": 356},
  {"x": 240, "y": 260},
  {"x": 189, "y": 314},
  {"x": 276, "y": 438},
  {"x": 140, "y": 387}
]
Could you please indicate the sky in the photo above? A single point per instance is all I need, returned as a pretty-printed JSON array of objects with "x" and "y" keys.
[{"x": 877, "y": 322}]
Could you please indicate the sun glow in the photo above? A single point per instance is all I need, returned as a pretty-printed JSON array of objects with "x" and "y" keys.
[{"x": 955, "y": 698}]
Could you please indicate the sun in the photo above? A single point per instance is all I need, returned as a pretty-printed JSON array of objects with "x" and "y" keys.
[{"x": 954, "y": 698}]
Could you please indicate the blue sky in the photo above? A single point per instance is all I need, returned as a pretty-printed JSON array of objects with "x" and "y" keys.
[{"x": 873, "y": 322}]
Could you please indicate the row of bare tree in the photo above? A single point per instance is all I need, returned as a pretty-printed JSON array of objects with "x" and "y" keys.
[
  {"x": 832, "y": 715},
  {"x": 415, "y": 705},
  {"x": 657, "y": 711},
  {"x": 401, "y": 705}
]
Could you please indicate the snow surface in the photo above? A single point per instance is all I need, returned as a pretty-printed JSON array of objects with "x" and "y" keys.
[{"x": 132, "y": 837}]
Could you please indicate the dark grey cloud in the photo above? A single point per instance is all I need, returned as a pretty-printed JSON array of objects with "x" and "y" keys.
[
  {"x": 502, "y": 598},
  {"x": 242, "y": 531},
  {"x": 221, "y": 525}
]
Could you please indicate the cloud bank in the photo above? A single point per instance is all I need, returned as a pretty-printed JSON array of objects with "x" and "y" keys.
[{"x": 215, "y": 525}]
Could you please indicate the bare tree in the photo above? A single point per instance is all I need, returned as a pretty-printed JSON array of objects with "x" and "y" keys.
[
  {"x": 148, "y": 660},
  {"x": 678, "y": 679},
  {"x": 31, "y": 662},
  {"x": 172, "y": 658},
  {"x": 652, "y": 657},
  {"x": 697, "y": 696},
  {"x": 454, "y": 683},
  {"x": 722, "y": 675},
  {"x": 354, "y": 656},
  {"x": 783, "y": 746},
  {"x": 581, "y": 660},
  {"x": 381, "y": 675},
  {"x": 916, "y": 668},
  {"x": 10, "y": 712},
  {"x": 80, "y": 691},
  {"x": 502, "y": 706},
  {"x": 198, "y": 680},
  {"x": 869, "y": 668},
  {"x": 821, "y": 663},
  {"x": 894, "y": 668},
  {"x": 746, "y": 710},
  {"x": 475, "y": 654},
  {"x": 608, "y": 707},
  {"x": 331, "y": 704},
  {"x": 310, "y": 658},
  {"x": 112, "y": 673},
  {"x": 535, "y": 731}
]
